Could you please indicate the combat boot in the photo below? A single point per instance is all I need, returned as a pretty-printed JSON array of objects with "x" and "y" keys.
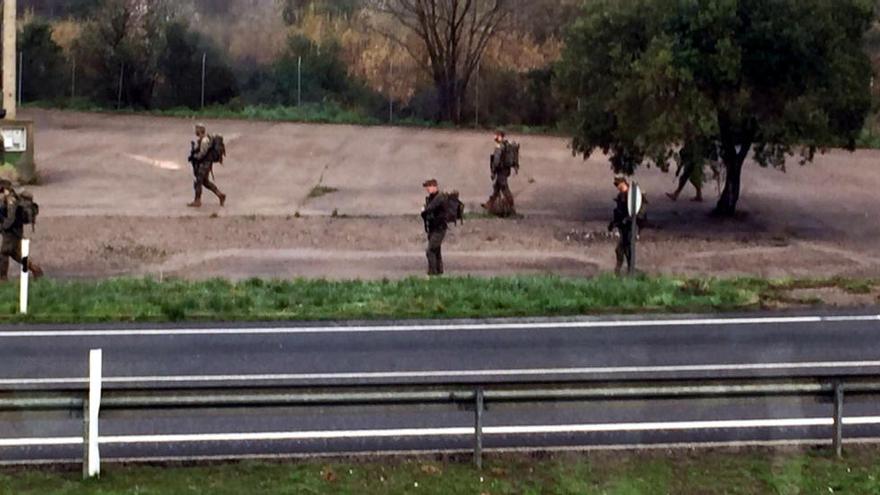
[
  {"x": 222, "y": 199},
  {"x": 35, "y": 270}
]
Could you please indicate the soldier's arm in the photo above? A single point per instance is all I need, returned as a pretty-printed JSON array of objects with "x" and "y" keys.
[
  {"x": 9, "y": 219},
  {"x": 204, "y": 148}
]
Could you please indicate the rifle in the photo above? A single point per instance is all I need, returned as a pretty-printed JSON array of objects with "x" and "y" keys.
[{"x": 193, "y": 151}]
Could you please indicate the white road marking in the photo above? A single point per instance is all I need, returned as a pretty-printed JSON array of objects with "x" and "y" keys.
[
  {"x": 445, "y": 432},
  {"x": 452, "y": 327},
  {"x": 390, "y": 375},
  {"x": 163, "y": 164}
]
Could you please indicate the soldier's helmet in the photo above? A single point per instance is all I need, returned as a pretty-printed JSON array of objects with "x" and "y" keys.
[
  {"x": 201, "y": 127},
  {"x": 5, "y": 185},
  {"x": 620, "y": 180}
]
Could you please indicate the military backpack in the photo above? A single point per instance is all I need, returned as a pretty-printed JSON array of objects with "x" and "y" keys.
[
  {"x": 453, "y": 210},
  {"x": 27, "y": 208},
  {"x": 511, "y": 155},
  {"x": 217, "y": 152}
]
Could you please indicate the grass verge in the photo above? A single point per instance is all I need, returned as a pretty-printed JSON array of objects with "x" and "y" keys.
[
  {"x": 220, "y": 300},
  {"x": 310, "y": 113},
  {"x": 703, "y": 472}
]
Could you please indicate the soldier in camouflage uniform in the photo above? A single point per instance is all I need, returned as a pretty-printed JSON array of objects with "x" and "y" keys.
[
  {"x": 203, "y": 168},
  {"x": 436, "y": 226},
  {"x": 690, "y": 169},
  {"x": 12, "y": 227},
  {"x": 501, "y": 202}
]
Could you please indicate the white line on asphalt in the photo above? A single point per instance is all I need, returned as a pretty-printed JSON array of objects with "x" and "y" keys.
[
  {"x": 390, "y": 375},
  {"x": 463, "y": 327},
  {"x": 445, "y": 432}
]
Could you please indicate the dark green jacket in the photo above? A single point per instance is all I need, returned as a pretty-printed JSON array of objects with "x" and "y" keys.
[{"x": 434, "y": 213}]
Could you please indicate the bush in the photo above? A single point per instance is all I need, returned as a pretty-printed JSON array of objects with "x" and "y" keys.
[
  {"x": 325, "y": 80},
  {"x": 510, "y": 98},
  {"x": 180, "y": 69}
]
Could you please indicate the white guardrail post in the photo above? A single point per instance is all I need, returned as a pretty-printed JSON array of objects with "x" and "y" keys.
[
  {"x": 91, "y": 409},
  {"x": 837, "y": 441},
  {"x": 23, "y": 295}
]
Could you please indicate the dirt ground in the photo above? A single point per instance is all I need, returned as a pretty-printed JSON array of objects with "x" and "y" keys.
[{"x": 113, "y": 192}]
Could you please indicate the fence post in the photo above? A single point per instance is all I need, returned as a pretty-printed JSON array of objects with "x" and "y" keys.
[
  {"x": 390, "y": 91},
  {"x": 25, "y": 276},
  {"x": 477, "y": 96},
  {"x": 204, "y": 70},
  {"x": 838, "y": 419},
  {"x": 73, "y": 78},
  {"x": 91, "y": 409},
  {"x": 121, "y": 82},
  {"x": 478, "y": 428},
  {"x": 299, "y": 68}
]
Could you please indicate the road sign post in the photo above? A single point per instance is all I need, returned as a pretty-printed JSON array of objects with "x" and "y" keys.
[{"x": 634, "y": 202}]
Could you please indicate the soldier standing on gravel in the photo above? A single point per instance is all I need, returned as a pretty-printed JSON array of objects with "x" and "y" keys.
[
  {"x": 12, "y": 227},
  {"x": 623, "y": 223},
  {"x": 203, "y": 167},
  {"x": 435, "y": 225},
  {"x": 690, "y": 169},
  {"x": 501, "y": 164}
]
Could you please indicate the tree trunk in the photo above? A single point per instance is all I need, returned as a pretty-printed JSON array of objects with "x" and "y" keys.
[
  {"x": 726, "y": 206},
  {"x": 449, "y": 99}
]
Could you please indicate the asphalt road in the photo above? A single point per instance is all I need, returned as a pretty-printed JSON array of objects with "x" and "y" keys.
[{"x": 495, "y": 352}]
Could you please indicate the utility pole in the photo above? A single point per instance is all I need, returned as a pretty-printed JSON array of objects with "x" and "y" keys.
[{"x": 9, "y": 63}]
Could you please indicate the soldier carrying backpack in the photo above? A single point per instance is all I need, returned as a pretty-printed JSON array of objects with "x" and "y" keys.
[
  {"x": 440, "y": 210},
  {"x": 16, "y": 211},
  {"x": 504, "y": 159},
  {"x": 204, "y": 153}
]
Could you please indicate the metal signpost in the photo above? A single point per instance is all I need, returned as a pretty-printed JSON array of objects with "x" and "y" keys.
[{"x": 634, "y": 202}]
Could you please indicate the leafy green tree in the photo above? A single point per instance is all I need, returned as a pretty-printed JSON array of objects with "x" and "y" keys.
[
  {"x": 43, "y": 70},
  {"x": 769, "y": 78}
]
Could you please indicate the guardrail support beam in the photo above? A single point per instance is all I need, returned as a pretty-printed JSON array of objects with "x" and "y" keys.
[
  {"x": 478, "y": 428},
  {"x": 838, "y": 419}
]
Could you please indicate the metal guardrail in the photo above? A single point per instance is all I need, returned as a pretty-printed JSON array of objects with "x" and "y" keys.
[{"x": 92, "y": 401}]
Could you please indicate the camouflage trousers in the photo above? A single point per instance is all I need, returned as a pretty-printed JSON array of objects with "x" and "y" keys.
[
  {"x": 435, "y": 252},
  {"x": 202, "y": 173},
  {"x": 623, "y": 251},
  {"x": 501, "y": 202},
  {"x": 11, "y": 248}
]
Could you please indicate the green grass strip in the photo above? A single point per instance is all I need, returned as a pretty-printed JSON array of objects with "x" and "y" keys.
[
  {"x": 681, "y": 473},
  {"x": 148, "y": 300}
]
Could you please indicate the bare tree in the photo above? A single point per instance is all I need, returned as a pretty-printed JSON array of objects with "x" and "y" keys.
[{"x": 453, "y": 35}]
